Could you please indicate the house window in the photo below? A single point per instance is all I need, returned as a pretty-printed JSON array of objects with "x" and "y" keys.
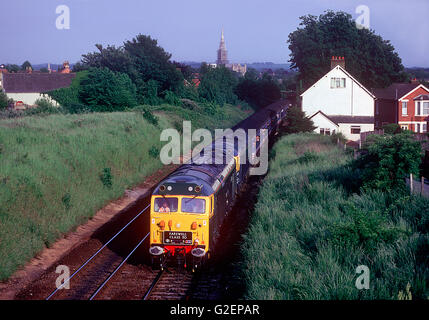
[
  {"x": 404, "y": 108},
  {"x": 404, "y": 126},
  {"x": 327, "y": 132},
  {"x": 322, "y": 131},
  {"x": 418, "y": 111},
  {"x": 418, "y": 127},
  {"x": 355, "y": 130},
  {"x": 424, "y": 127},
  {"x": 338, "y": 82},
  {"x": 425, "y": 108}
]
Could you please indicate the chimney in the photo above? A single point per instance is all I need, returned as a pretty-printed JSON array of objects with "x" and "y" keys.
[{"x": 338, "y": 61}]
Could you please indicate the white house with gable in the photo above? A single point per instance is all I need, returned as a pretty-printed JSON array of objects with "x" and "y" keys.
[{"x": 337, "y": 102}]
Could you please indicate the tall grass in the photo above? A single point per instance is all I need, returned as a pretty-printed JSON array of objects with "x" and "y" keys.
[
  {"x": 311, "y": 229},
  {"x": 56, "y": 171}
]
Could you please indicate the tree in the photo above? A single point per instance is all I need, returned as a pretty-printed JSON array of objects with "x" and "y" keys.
[
  {"x": 13, "y": 68},
  {"x": 142, "y": 60},
  {"x": 26, "y": 65},
  {"x": 258, "y": 92},
  {"x": 389, "y": 159},
  {"x": 217, "y": 85},
  {"x": 44, "y": 70},
  {"x": 4, "y": 100},
  {"x": 368, "y": 57},
  {"x": 296, "y": 121},
  {"x": 105, "y": 90}
]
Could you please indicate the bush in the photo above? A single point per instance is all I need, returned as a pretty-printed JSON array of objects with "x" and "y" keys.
[
  {"x": 105, "y": 90},
  {"x": 43, "y": 106},
  {"x": 150, "y": 117},
  {"x": 4, "y": 100},
  {"x": 106, "y": 177},
  {"x": 171, "y": 98},
  {"x": 392, "y": 128},
  {"x": 296, "y": 121},
  {"x": 388, "y": 160}
]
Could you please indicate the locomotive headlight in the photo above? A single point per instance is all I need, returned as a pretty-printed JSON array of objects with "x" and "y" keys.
[
  {"x": 190, "y": 189},
  {"x": 162, "y": 188},
  {"x": 197, "y": 189}
]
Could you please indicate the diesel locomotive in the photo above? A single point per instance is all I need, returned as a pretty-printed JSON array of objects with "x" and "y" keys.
[{"x": 189, "y": 206}]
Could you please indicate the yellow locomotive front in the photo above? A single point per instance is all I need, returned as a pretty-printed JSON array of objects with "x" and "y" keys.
[{"x": 179, "y": 223}]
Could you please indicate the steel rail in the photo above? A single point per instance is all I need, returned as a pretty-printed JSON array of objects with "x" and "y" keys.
[
  {"x": 152, "y": 286},
  {"x": 95, "y": 254},
  {"x": 118, "y": 267}
]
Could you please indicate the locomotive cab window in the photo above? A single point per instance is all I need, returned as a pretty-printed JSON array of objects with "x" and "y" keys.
[
  {"x": 165, "y": 205},
  {"x": 193, "y": 205}
]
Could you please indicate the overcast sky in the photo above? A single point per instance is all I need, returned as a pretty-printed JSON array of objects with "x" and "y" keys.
[{"x": 255, "y": 30}]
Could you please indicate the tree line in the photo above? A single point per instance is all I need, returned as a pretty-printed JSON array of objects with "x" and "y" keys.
[{"x": 142, "y": 72}]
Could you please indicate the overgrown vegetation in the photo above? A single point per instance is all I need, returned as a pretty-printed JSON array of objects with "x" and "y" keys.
[
  {"x": 296, "y": 121},
  {"x": 314, "y": 225},
  {"x": 388, "y": 160},
  {"x": 57, "y": 170}
]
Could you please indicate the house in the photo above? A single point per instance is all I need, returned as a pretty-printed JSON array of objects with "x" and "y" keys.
[
  {"x": 337, "y": 102},
  {"x": 406, "y": 104},
  {"x": 350, "y": 126},
  {"x": 26, "y": 88}
]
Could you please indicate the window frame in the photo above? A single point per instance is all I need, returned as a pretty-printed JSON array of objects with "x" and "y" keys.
[
  {"x": 192, "y": 198},
  {"x": 355, "y": 128},
  {"x": 404, "y": 103},
  {"x": 338, "y": 83}
]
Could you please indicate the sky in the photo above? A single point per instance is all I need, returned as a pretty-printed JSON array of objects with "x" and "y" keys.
[{"x": 255, "y": 30}]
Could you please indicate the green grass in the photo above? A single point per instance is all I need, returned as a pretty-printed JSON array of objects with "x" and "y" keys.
[
  {"x": 311, "y": 229},
  {"x": 57, "y": 170}
]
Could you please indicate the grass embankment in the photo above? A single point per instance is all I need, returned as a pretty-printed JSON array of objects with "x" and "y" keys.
[
  {"x": 312, "y": 227},
  {"x": 56, "y": 171}
]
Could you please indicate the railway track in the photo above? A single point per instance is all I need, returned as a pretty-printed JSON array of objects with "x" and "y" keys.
[
  {"x": 112, "y": 259},
  {"x": 118, "y": 267}
]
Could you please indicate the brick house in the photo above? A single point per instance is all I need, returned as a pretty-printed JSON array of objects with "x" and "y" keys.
[{"x": 406, "y": 104}]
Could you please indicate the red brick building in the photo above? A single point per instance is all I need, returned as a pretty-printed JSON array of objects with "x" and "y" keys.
[{"x": 406, "y": 104}]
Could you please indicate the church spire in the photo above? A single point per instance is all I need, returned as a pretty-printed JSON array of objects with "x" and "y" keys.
[{"x": 222, "y": 54}]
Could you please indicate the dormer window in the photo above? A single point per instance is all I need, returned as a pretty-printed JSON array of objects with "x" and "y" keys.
[{"x": 338, "y": 83}]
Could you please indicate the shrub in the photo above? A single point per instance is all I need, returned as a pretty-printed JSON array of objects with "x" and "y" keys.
[
  {"x": 154, "y": 152},
  {"x": 392, "y": 128},
  {"x": 105, "y": 90},
  {"x": 4, "y": 100},
  {"x": 171, "y": 98},
  {"x": 296, "y": 121},
  {"x": 149, "y": 116},
  {"x": 106, "y": 177},
  {"x": 389, "y": 159}
]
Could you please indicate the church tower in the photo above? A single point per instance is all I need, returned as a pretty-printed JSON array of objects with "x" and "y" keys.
[{"x": 222, "y": 55}]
